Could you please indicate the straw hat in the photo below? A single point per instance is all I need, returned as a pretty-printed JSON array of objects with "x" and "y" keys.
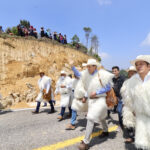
[
  {"x": 41, "y": 71},
  {"x": 63, "y": 72},
  {"x": 131, "y": 68},
  {"x": 84, "y": 64},
  {"x": 145, "y": 58}
]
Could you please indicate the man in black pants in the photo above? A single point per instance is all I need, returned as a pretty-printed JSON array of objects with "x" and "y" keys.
[
  {"x": 118, "y": 81},
  {"x": 44, "y": 83}
]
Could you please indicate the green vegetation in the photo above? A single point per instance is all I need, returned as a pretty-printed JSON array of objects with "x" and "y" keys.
[
  {"x": 123, "y": 73},
  {"x": 87, "y": 31},
  {"x": 14, "y": 30},
  {"x": 25, "y": 23},
  {"x": 75, "y": 40}
]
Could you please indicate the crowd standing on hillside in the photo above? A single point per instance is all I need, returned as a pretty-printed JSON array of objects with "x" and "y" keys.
[
  {"x": 91, "y": 91},
  {"x": 31, "y": 31}
]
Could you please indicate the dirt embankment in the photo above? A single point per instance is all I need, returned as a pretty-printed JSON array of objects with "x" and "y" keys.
[{"x": 20, "y": 61}]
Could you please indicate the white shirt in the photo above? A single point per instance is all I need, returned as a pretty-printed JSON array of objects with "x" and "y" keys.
[{"x": 147, "y": 77}]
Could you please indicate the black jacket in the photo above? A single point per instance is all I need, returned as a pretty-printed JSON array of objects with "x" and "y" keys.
[{"x": 118, "y": 82}]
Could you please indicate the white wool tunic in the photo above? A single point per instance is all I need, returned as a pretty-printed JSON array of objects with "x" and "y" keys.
[
  {"x": 79, "y": 93},
  {"x": 139, "y": 94},
  {"x": 128, "y": 116},
  {"x": 64, "y": 92},
  {"x": 97, "y": 108},
  {"x": 43, "y": 83}
]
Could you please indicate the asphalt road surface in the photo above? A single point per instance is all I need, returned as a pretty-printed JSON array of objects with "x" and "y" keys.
[{"x": 22, "y": 130}]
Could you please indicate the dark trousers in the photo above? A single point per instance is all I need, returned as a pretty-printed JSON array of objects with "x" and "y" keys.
[
  {"x": 108, "y": 113},
  {"x": 131, "y": 133},
  {"x": 63, "y": 111},
  {"x": 39, "y": 103}
]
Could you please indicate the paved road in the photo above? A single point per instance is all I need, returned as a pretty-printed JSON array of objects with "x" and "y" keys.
[{"x": 23, "y": 131}]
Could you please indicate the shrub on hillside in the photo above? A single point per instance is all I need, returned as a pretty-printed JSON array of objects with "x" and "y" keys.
[
  {"x": 14, "y": 30},
  {"x": 25, "y": 23},
  {"x": 97, "y": 57}
]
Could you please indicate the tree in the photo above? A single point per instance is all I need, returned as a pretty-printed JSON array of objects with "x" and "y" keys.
[
  {"x": 14, "y": 30},
  {"x": 123, "y": 73},
  {"x": 97, "y": 57},
  {"x": 75, "y": 39},
  {"x": 94, "y": 44},
  {"x": 25, "y": 23},
  {"x": 87, "y": 31}
]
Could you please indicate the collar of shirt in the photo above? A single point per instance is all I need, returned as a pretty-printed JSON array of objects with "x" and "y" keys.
[
  {"x": 147, "y": 77},
  {"x": 94, "y": 72}
]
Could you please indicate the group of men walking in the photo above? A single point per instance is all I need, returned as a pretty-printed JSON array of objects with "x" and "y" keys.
[{"x": 88, "y": 91}]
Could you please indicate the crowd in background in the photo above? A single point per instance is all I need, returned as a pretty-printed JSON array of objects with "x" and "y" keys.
[{"x": 31, "y": 31}]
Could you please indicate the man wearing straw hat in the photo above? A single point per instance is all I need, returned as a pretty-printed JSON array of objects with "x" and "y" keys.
[
  {"x": 64, "y": 88},
  {"x": 97, "y": 107},
  {"x": 128, "y": 115},
  {"x": 44, "y": 84},
  {"x": 138, "y": 91}
]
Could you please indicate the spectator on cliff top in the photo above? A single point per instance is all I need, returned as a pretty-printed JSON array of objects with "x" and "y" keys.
[
  {"x": 50, "y": 36},
  {"x": 1, "y": 29},
  {"x": 8, "y": 31},
  {"x": 26, "y": 32},
  {"x": 31, "y": 31},
  {"x": 20, "y": 32},
  {"x": 65, "y": 39},
  {"x": 35, "y": 34},
  {"x": 47, "y": 34},
  {"x": 55, "y": 36},
  {"x": 61, "y": 38},
  {"x": 42, "y": 32}
]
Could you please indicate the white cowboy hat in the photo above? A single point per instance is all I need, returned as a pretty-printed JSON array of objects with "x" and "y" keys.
[
  {"x": 84, "y": 64},
  {"x": 63, "y": 72},
  {"x": 131, "y": 68},
  {"x": 145, "y": 58},
  {"x": 41, "y": 71},
  {"x": 93, "y": 62}
]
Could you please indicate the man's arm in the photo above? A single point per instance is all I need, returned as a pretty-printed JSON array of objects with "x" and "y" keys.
[
  {"x": 103, "y": 90},
  {"x": 69, "y": 86},
  {"x": 76, "y": 72},
  {"x": 57, "y": 88}
]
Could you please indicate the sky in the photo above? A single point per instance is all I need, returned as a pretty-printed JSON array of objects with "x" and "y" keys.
[{"x": 122, "y": 26}]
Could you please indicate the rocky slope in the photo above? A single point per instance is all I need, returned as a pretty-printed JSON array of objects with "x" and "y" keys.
[{"x": 20, "y": 61}]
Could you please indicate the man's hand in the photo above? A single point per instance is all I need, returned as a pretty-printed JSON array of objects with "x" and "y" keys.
[
  {"x": 83, "y": 100},
  {"x": 71, "y": 63},
  {"x": 62, "y": 86},
  {"x": 93, "y": 95}
]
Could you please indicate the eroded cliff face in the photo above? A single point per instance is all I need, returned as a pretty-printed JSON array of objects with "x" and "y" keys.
[{"x": 20, "y": 61}]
